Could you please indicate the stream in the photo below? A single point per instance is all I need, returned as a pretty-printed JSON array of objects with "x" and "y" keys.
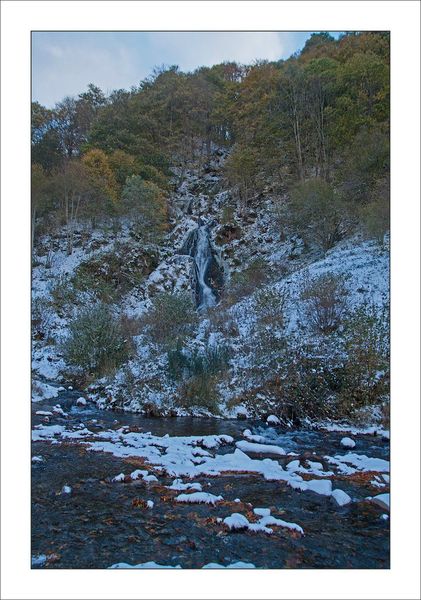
[{"x": 103, "y": 522}]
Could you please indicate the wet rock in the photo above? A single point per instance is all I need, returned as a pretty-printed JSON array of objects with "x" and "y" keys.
[{"x": 151, "y": 410}]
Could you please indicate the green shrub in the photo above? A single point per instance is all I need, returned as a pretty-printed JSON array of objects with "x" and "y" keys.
[
  {"x": 366, "y": 368},
  {"x": 171, "y": 319},
  {"x": 212, "y": 361},
  {"x": 201, "y": 391},
  {"x": 96, "y": 341}
]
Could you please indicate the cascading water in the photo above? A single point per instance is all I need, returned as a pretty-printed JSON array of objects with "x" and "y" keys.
[
  {"x": 203, "y": 259},
  {"x": 199, "y": 248}
]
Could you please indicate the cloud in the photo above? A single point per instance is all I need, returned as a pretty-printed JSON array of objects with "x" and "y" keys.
[
  {"x": 64, "y": 63},
  {"x": 195, "y": 49}
]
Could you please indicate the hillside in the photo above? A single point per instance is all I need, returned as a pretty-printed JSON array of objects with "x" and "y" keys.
[{"x": 216, "y": 242}]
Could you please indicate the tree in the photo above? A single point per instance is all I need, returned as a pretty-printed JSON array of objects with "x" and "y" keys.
[
  {"x": 318, "y": 213},
  {"x": 145, "y": 202},
  {"x": 71, "y": 186},
  {"x": 67, "y": 126},
  {"x": 38, "y": 196},
  {"x": 241, "y": 169}
]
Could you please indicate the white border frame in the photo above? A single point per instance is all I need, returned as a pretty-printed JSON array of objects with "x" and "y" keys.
[{"x": 19, "y": 18}]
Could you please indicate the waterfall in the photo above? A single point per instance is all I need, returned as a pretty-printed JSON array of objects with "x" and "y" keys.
[
  {"x": 203, "y": 259},
  {"x": 197, "y": 245}
]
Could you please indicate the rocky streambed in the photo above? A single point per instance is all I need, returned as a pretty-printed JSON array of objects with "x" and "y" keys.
[{"x": 119, "y": 489}]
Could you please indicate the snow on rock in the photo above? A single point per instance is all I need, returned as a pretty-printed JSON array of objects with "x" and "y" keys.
[
  {"x": 43, "y": 391},
  {"x": 39, "y": 560},
  {"x": 358, "y": 462},
  {"x": 199, "y": 498},
  {"x": 44, "y": 413},
  {"x": 377, "y": 482},
  {"x": 119, "y": 477},
  {"x": 347, "y": 428},
  {"x": 269, "y": 520},
  {"x": 146, "y": 565},
  {"x": 340, "y": 497},
  {"x": 273, "y": 420},
  {"x": 262, "y": 512},
  {"x": 258, "y": 439},
  {"x": 347, "y": 442},
  {"x": 37, "y": 459},
  {"x": 236, "y": 565},
  {"x": 259, "y": 448},
  {"x": 179, "y": 486},
  {"x": 66, "y": 489},
  {"x": 382, "y": 500},
  {"x": 150, "y": 503},
  {"x": 236, "y": 521},
  {"x": 137, "y": 474},
  {"x": 81, "y": 401},
  {"x": 59, "y": 411},
  {"x": 318, "y": 486}
]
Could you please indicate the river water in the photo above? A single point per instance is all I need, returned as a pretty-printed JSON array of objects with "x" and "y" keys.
[{"x": 101, "y": 522}]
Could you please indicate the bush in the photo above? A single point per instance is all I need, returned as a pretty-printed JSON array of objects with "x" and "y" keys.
[
  {"x": 200, "y": 391},
  {"x": 270, "y": 307},
  {"x": 62, "y": 292},
  {"x": 375, "y": 216},
  {"x": 112, "y": 274},
  {"x": 212, "y": 361},
  {"x": 318, "y": 213},
  {"x": 245, "y": 282},
  {"x": 171, "y": 319},
  {"x": 366, "y": 368},
  {"x": 324, "y": 302},
  {"x": 96, "y": 341},
  {"x": 42, "y": 318}
]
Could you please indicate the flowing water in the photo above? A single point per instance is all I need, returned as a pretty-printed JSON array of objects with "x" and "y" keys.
[
  {"x": 199, "y": 247},
  {"x": 202, "y": 259},
  {"x": 102, "y": 522}
]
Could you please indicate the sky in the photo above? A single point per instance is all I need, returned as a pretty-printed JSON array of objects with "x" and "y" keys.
[{"x": 64, "y": 63}]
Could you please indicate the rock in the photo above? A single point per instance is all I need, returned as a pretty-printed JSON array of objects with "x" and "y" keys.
[
  {"x": 236, "y": 521},
  {"x": 382, "y": 500},
  {"x": 273, "y": 420},
  {"x": 81, "y": 401},
  {"x": 151, "y": 410},
  {"x": 347, "y": 442},
  {"x": 340, "y": 497}
]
